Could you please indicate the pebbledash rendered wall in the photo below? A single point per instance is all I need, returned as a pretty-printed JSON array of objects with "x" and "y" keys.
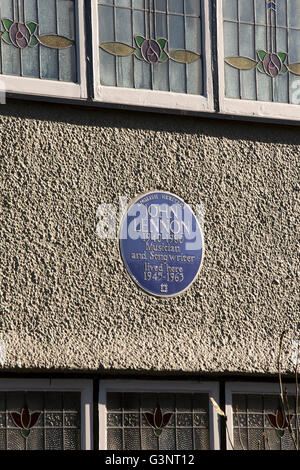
[{"x": 68, "y": 303}]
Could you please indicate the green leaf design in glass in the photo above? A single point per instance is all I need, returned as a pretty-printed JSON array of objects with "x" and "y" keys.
[
  {"x": 280, "y": 433},
  {"x": 139, "y": 40},
  {"x": 25, "y": 432},
  {"x": 163, "y": 57},
  {"x": 138, "y": 54},
  {"x": 162, "y": 43},
  {"x": 283, "y": 70},
  {"x": 33, "y": 41},
  {"x": 261, "y": 54},
  {"x": 5, "y": 37},
  {"x": 260, "y": 67},
  {"x": 282, "y": 56},
  {"x": 32, "y": 27},
  {"x": 7, "y": 23}
]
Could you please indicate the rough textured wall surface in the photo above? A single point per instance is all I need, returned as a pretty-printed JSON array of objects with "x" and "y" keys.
[{"x": 67, "y": 300}]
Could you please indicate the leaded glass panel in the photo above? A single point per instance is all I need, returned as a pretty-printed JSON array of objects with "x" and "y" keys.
[
  {"x": 151, "y": 44},
  {"x": 260, "y": 423},
  {"x": 39, "y": 420},
  {"x": 157, "y": 421},
  {"x": 38, "y": 39},
  {"x": 261, "y": 49}
]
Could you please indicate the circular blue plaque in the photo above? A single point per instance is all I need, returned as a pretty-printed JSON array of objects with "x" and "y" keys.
[{"x": 161, "y": 243}]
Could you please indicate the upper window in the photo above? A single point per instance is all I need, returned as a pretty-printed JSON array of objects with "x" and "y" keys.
[
  {"x": 156, "y": 53},
  {"x": 40, "y": 47},
  {"x": 261, "y": 59},
  {"x": 152, "y": 52}
]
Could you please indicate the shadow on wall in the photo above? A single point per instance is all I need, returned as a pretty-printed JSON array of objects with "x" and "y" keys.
[{"x": 85, "y": 115}]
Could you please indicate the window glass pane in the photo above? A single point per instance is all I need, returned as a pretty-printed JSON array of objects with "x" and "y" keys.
[
  {"x": 259, "y": 424},
  {"x": 39, "y": 420},
  {"x": 38, "y": 39},
  {"x": 261, "y": 48},
  {"x": 157, "y": 421},
  {"x": 160, "y": 48}
]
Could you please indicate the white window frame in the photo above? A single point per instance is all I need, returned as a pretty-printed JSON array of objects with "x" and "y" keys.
[
  {"x": 154, "y": 98},
  {"x": 158, "y": 386},
  {"x": 55, "y": 88},
  {"x": 84, "y": 386},
  {"x": 240, "y": 107},
  {"x": 248, "y": 388}
]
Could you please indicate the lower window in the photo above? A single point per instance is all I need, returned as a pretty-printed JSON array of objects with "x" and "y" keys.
[
  {"x": 257, "y": 420},
  {"x": 149, "y": 415},
  {"x": 45, "y": 415}
]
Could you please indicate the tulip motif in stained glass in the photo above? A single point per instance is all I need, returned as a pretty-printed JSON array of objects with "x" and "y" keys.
[
  {"x": 270, "y": 63},
  {"x": 152, "y": 51},
  {"x": 25, "y": 420},
  {"x": 279, "y": 421},
  {"x": 157, "y": 420},
  {"x": 21, "y": 35}
]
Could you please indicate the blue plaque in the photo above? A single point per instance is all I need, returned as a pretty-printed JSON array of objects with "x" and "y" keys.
[{"x": 161, "y": 243}]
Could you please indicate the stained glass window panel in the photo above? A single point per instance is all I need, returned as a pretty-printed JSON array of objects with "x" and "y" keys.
[
  {"x": 38, "y": 39},
  {"x": 39, "y": 420},
  {"x": 261, "y": 49},
  {"x": 157, "y": 421},
  {"x": 260, "y": 424},
  {"x": 151, "y": 44}
]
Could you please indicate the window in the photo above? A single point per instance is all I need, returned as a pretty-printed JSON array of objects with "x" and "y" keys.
[
  {"x": 259, "y": 64},
  {"x": 41, "y": 47},
  {"x": 156, "y": 53},
  {"x": 157, "y": 415},
  {"x": 255, "y": 417},
  {"x": 45, "y": 414},
  {"x": 153, "y": 53}
]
